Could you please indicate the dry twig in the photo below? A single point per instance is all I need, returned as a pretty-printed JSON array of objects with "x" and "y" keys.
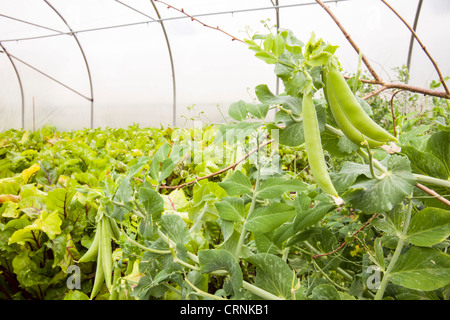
[
  {"x": 233, "y": 38},
  {"x": 232, "y": 166},
  {"x": 345, "y": 242},
  {"x": 441, "y": 78},
  {"x": 378, "y": 80},
  {"x": 433, "y": 193}
]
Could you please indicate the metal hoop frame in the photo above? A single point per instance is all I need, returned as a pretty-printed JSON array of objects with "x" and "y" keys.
[{"x": 274, "y": 6}]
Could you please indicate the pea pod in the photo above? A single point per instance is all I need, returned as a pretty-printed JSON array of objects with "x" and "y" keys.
[
  {"x": 352, "y": 109},
  {"x": 116, "y": 284},
  {"x": 99, "y": 275},
  {"x": 314, "y": 150},
  {"x": 341, "y": 120},
  {"x": 91, "y": 254},
  {"x": 115, "y": 232},
  {"x": 106, "y": 251}
]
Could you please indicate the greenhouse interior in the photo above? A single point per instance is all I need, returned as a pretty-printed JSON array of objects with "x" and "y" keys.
[{"x": 224, "y": 150}]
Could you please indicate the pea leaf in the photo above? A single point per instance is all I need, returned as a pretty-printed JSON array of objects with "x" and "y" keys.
[
  {"x": 231, "y": 209},
  {"x": 372, "y": 195},
  {"x": 274, "y": 187},
  {"x": 264, "y": 95},
  {"x": 273, "y": 274},
  {"x": 425, "y": 163},
  {"x": 160, "y": 155},
  {"x": 391, "y": 222},
  {"x": 238, "y": 110},
  {"x": 220, "y": 259},
  {"x": 348, "y": 174},
  {"x": 278, "y": 45},
  {"x": 124, "y": 195},
  {"x": 238, "y": 184},
  {"x": 422, "y": 269},
  {"x": 429, "y": 226},
  {"x": 310, "y": 217},
  {"x": 137, "y": 167},
  {"x": 153, "y": 204},
  {"x": 265, "y": 219},
  {"x": 235, "y": 132},
  {"x": 439, "y": 145},
  {"x": 266, "y": 57},
  {"x": 175, "y": 228},
  {"x": 265, "y": 243},
  {"x": 258, "y": 110},
  {"x": 292, "y": 44},
  {"x": 325, "y": 292},
  {"x": 292, "y": 135}
]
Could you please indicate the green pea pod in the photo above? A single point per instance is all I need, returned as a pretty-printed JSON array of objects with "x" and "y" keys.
[
  {"x": 341, "y": 120},
  {"x": 314, "y": 150},
  {"x": 115, "y": 232},
  {"x": 353, "y": 110},
  {"x": 115, "y": 285},
  {"x": 91, "y": 254},
  {"x": 106, "y": 251},
  {"x": 99, "y": 275}
]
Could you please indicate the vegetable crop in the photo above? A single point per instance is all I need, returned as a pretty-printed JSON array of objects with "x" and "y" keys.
[
  {"x": 340, "y": 91},
  {"x": 244, "y": 210}
]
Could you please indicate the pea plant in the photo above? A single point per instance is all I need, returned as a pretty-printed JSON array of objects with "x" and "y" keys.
[
  {"x": 254, "y": 230},
  {"x": 333, "y": 198}
]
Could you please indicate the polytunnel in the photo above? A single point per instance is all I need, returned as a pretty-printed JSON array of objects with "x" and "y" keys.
[
  {"x": 209, "y": 152},
  {"x": 114, "y": 63}
]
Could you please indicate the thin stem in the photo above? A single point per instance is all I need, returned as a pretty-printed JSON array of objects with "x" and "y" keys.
[
  {"x": 289, "y": 112},
  {"x": 358, "y": 72},
  {"x": 259, "y": 292},
  {"x": 144, "y": 247},
  {"x": 397, "y": 252},
  {"x": 371, "y": 164},
  {"x": 431, "y": 180},
  {"x": 339, "y": 270},
  {"x": 328, "y": 278},
  {"x": 393, "y": 113},
  {"x": 131, "y": 210},
  {"x": 253, "y": 203},
  {"x": 203, "y": 293}
]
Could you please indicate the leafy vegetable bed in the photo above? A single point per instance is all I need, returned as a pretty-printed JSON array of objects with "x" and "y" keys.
[{"x": 294, "y": 208}]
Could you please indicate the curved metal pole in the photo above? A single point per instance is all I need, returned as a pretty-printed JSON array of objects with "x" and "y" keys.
[
  {"x": 174, "y": 108},
  {"x": 20, "y": 84},
  {"x": 84, "y": 58},
  {"x": 277, "y": 15},
  {"x": 411, "y": 42}
]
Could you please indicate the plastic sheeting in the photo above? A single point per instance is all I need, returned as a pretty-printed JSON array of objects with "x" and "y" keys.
[{"x": 129, "y": 63}]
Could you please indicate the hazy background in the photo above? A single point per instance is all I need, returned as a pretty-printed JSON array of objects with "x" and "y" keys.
[{"x": 130, "y": 66}]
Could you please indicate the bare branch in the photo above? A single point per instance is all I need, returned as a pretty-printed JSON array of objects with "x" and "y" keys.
[
  {"x": 350, "y": 40},
  {"x": 441, "y": 78},
  {"x": 232, "y": 166},
  {"x": 389, "y": 85},
  {"x": 233, "y": 38},
  {"x": 433, "y": 193},
  {"x": 375, "y": 92}
]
